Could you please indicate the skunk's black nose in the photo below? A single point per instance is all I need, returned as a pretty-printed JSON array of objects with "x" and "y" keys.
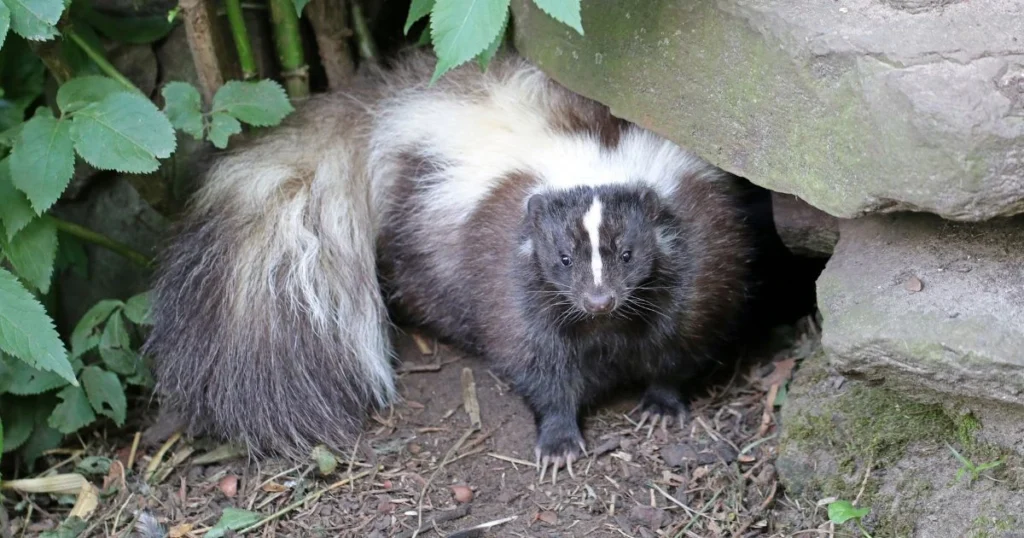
[{"x": 598, "y": 303}]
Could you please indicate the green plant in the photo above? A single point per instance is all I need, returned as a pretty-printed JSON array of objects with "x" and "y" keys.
[
  {"x": 840, "y": 511},
  {"x": 463, "y": 30},
  {"x": 52, "y": 386},
  {"x": 969, "y": 467}
]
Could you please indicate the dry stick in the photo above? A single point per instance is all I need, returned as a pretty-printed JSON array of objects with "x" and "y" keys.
[
  {"x": 311, "y": 497},
  {"x": 329, "y": 19},
  {"x": 288, "y": 41},
  {"x": 450, "y": 515},
  {"x": 207, "y": 44}
]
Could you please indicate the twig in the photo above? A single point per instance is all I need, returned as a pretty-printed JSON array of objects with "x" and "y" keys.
[
  {"x": 101, "y": 61},
  {"x": 288, "y": 41},
  {"x": 469, "y": 399},
  {"x": 159, "y": 456},
  {"x": 207, "y": 44},
  {"x": 311, "y": 497},
  {"x": 329, "y": 19},
  {"x": 447, "y": 457},
  {"x": 50, "y": 52},
  {"x": 241, "y": 37},
  {"x": 864, "y": 483},
  {"x": 134, "y": 450},
  {"x": 367, "y": 47},
  {"x": 449, "y": 515},
  {"x": 97, "y": 238}
]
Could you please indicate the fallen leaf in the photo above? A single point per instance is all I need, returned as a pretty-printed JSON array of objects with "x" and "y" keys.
[
  {"x": 274, "y": 487},
  {"x": 782, "y": 372},
  {"x": 913, "y": 284},
  {"x": 85, "y": 505},
  {"x": 178, "y": 531},
  {"x": 229, "y": 485}
]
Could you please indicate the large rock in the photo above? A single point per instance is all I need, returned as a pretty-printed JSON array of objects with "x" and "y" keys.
[
  {"x": 933, "y": 308},
  {"x": 857, "y": 106},
  {"x": 806, "y": 230}
]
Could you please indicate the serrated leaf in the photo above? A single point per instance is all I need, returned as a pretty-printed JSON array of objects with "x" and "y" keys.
[
  {"x": 232, "y": 519},
  {"x": 115, "y": 347},
  {"x": 28, "y": 381},
  {"x": 85, "y": 336},
  {"x": 5, "y": 22},
  {"x": 35, "y": 19},
  {"x": 15, "y": 210},
  {"x": 261, "y": 103},
  {"x": 73, "y": 412},
  {"x": 485, "y": 57},
  {"x": 94, "y": 465},
  {"x": 32, "y": 253},
  {"x": 840, "y": 512},
  {"x": 43, "y": 160},
  {"x": 417, "y": 10},
  {"x": 27, "y": 332},
  {"x": 80, "y": 92},
  {"x": 462, "y": 29},
  {"x": 222, "y": 127},
  {"x": 183, "y": 107},
  {"x": 136, "y": 309},
  {"x": 105, "y": 393},
  {"x": 299, "y": 6},
  {"x": 18, "y": 421},
  {"x": 123, "y": 132},
  {"x": 564, "y": 11}
]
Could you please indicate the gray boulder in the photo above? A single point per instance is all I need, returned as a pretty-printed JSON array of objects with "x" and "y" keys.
[
  {"x": 935, "y": 309},
  {"x": 806, "y": 230},
  {"x": 856, "y": 106}
]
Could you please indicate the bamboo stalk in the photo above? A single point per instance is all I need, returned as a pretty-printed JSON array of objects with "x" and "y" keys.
[
  {"x": 367, "y": 47},
  {"x": 241, "y": 36},
  {"x": 329, "y": 19},
  {"x": 288, "y": 41},
  {"x": 101, "y": 60},
  {"x": 207, "y": 44},
  {"x": 85, "y": 234}
]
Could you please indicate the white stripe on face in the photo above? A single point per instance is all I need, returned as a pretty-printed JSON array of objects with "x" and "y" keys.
[{"x": 592, "y": 223}]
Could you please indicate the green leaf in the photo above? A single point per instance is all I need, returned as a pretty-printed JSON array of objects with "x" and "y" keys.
[
  {"x": 418, "y": 10},
  {"x": 32, "y": 253},
  {"x": 25, "y": 380},
  {"x": 85, "y": 336},
  {"x": 35, "y": 19},
  {"x": 80, "y": 92},
  {"x": 94, "y": 465},
  {"x": 462, "y": 29},
  {"x": 485, "y": 57},
  {"x": 115, "y": 347},
  {"x": 840, "y": 512},
  {"x": 123, "y": 132},
  {"x": 222, "y": 127},
  {"x": 73, "y": 412},
  {"x": 184, "y": 108},
  {"x": 299, "y": 6},
  {"x": 15, "y": 210},
  {"x": 325, "y": 460},
  {"x": 27, "y": 332},
  {"x": 105, "y": 393},
  {"x": 564, "y": 11},
  {"x": 5, "y": 22},
  {"x": 43, "y": 160},
  {"x": 261, "y": 103},
  {"x": 137, "y": 309},
  {"x": 18, "y": 420},
  {"x": 232, "y": 519}
]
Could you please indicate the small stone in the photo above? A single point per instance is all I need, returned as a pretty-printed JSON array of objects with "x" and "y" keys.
[
  {"x": 548, "y": 517},
  {"x": 229, "y": 485},
  {"x": 462, "y": 493},
  {"x": 913, "y": 284}
]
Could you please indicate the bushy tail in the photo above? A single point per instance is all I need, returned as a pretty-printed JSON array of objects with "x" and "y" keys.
[{"x": 269, "y": 325}]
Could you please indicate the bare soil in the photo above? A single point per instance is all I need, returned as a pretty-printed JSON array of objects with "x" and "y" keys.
[{"x": 713, "y": 477}]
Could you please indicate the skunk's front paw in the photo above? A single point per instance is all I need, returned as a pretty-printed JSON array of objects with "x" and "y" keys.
[
  {"x": 661, "y": 404},
  {"x": 557, "y": 446}
]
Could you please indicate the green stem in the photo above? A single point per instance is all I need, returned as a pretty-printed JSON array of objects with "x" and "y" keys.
[
  {"x": 241, "y": 36},
  {"x": 97, "y": 238},
  {"x": 289, "y": 47},
  {"x": 100, "y": 60},
  {"x": 367, "y": 47}
]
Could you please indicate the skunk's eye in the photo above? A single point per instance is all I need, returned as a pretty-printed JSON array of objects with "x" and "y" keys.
[
  {"x": 626, "y": 256},
  {"x": 566, "y": 261}
]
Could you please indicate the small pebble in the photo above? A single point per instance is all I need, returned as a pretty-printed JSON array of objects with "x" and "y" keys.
[
  {"x": 462, "y": 493},
  {"x": 229, "y": 485}
]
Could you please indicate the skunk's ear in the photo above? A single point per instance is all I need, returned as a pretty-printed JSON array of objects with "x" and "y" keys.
[
  {"x": 535, "y": 208},
  {"x": 650, "y": 202}
]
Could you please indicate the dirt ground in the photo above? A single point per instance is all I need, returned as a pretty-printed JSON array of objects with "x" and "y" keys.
[{"x": 714, "y": 477}]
